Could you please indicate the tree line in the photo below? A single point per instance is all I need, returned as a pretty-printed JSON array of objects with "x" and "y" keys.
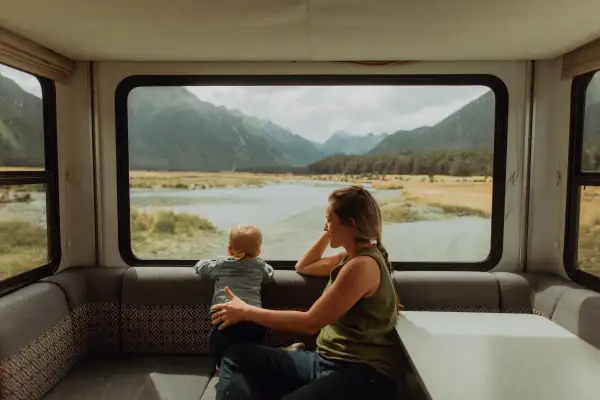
[{"x": 456, "y": 162}]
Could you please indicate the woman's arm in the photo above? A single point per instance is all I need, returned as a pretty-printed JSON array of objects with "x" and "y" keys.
[
  {"x": 313, "y": 263},
  {"x": 356, "y": 279}
]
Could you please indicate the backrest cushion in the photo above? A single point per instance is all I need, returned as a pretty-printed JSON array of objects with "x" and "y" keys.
[
  {"x": 448, "y": 290},
  {"x": 516, "y": 294},
  {"x": 40, "y": 342},
  {"x": 94, "y": 296},
  {"x": 578, "y": 310},
  {"x": 547, "y": 289},
  {"x": 166, "y": 310}
]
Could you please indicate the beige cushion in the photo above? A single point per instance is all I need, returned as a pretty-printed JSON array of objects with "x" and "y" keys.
[
  {"x": 448, "y": 290},
  {"x": 578, "y": 310}
]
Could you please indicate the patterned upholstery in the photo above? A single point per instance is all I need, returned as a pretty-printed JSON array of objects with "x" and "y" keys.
[
  {"x": 169, "y": 329},
  {"x": 34, "y": 370},
  {"x": 99, "y": 323}
]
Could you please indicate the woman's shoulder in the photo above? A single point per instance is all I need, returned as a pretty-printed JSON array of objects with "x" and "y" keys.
[{"x": 363, "y": 263}]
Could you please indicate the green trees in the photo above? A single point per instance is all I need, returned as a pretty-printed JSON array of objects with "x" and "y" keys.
[{"x": 469, "y": 162}]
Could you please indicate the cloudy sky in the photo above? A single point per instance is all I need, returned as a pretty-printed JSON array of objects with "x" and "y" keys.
[
  {"x": 318, "y": 112},
  {"x": 29, "y": 83}
]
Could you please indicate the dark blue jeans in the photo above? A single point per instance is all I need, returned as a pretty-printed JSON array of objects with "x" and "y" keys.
[
  {"x": 243, "y": 332},
  {"x": 259, "y": 372}
]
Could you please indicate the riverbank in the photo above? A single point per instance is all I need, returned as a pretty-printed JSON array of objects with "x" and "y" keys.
[{"x": 196, "y": 180}]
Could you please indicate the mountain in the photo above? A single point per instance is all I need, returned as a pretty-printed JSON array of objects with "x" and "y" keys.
[
  {"x": 470, "y": 127},
  {"x": 21, "y": 126},
  {"x": 345, "y": 143},
  {"x": 170, "y": 128},
  {"x": 300, "y": 151},
  {"x": 591, "y": 136}
]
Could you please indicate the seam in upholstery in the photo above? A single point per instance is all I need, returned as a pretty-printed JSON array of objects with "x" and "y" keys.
[
  {"x": 120, "y": 311},
  {"x": 64, "y": 292},
  {"x": 556, "y": 305},
  {"x": 500, "y": 305}
]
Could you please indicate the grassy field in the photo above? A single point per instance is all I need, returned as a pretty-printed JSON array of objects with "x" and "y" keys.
[
  {"x": 23, "y": 245},
  {"x": 197, "y": 180},
  {"x": 589, "y": 230},
  {"x": 153, "y": 233}
]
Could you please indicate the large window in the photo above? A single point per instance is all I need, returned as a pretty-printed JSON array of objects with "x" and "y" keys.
[
  {"x": 29, "y": 242},
  {"x": 198, "y": 155},
  {"x": 582, "y": 250}
]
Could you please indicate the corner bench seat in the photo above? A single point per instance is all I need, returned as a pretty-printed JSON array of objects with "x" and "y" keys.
[{"x": 140, "y": 332}]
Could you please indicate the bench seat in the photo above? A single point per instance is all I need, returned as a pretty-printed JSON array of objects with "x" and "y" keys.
[{"x": 140, "y": 332}]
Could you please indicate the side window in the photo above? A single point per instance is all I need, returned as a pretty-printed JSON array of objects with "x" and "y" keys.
[
  {"x": 29, "y": 243},
  {"x": 582, "y": 250},
  {"x": 198, "y": 155}
]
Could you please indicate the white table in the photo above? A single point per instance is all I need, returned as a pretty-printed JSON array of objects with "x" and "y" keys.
[{"x": 494, "y": 356}]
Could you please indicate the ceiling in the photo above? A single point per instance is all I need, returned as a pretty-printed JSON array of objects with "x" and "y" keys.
[{"x": 198, "y": 30}]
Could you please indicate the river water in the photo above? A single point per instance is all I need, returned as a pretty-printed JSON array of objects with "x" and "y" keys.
[{"x": 291, "y": 216}]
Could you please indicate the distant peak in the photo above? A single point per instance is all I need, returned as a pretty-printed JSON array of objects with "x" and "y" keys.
[{"x": 342, "y": 134}]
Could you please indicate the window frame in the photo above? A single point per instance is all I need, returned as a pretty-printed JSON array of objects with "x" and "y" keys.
[
  {"x": 48, "y": 177},
  {"x": 493, "y": 82},
  {"x": 576, "y": 179}
]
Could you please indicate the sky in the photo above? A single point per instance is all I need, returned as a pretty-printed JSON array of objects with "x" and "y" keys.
[
  {"x": 317, "y": 112},
  {"x": 28, "y": 83}
]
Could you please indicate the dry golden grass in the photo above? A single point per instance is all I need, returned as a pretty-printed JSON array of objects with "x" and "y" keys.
[
  {"x": 200, "y": 180},
  {"x": 589, "y": 230},
  {"x": 6, "y": 169},
  {"x": 472, "y": 192}
]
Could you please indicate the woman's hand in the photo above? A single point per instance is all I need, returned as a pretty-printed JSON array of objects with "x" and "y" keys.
[{"x": 232, "y": 312}]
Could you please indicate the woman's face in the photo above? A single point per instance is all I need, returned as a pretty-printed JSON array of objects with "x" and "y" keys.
[{"x": 339, "y": 234}]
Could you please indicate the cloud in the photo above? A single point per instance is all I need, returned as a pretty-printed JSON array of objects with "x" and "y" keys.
[
  {"x": 316, "y": 112},
  {"x": 27, "y": 82}
]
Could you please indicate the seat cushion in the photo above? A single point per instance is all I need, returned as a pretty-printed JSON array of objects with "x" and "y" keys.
[
  {"x": 211, "y": 389},
  {"x": 148, "y": 378}
]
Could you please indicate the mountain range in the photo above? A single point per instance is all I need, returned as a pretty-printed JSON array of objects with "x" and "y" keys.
[
  {"x": 21, "y": 126},
  {"x": 172, "y": 129},
  {"x": 346, "y": 143},
  {"x": 470, "y": 127}
]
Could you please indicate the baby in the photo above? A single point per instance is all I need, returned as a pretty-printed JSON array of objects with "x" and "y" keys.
[{"x": 243, "y": 272}]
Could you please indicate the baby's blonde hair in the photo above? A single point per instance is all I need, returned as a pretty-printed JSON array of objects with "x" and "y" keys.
[{"x": 245, "y": 241}]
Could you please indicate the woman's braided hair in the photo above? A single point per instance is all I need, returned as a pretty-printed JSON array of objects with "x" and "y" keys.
[{"x": 355, "y": 203}]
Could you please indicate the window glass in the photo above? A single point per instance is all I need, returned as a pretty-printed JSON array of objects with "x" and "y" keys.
[
  {"x": 590, "y": 160},
  {"x": 205, "y": 158},
  {"x": 21, "y": 121},
  {"x": 23, "y": 235}
]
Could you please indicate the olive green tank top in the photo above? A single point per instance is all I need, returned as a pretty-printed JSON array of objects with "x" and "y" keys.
[{"x": 366, "y": 332}]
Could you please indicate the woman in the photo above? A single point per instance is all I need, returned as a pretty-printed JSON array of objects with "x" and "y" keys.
[{"x": 358, "y": 354}]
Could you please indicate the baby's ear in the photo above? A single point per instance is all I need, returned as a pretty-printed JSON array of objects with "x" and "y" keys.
[
  {"x": 229, "y": 250},
  {"x": 258, "y": 252}
]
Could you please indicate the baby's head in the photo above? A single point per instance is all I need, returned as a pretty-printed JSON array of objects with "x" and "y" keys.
[{"x": 244, "y": 241}]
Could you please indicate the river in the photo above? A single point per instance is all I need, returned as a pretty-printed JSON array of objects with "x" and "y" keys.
[{"x": 291, "y": 216}]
